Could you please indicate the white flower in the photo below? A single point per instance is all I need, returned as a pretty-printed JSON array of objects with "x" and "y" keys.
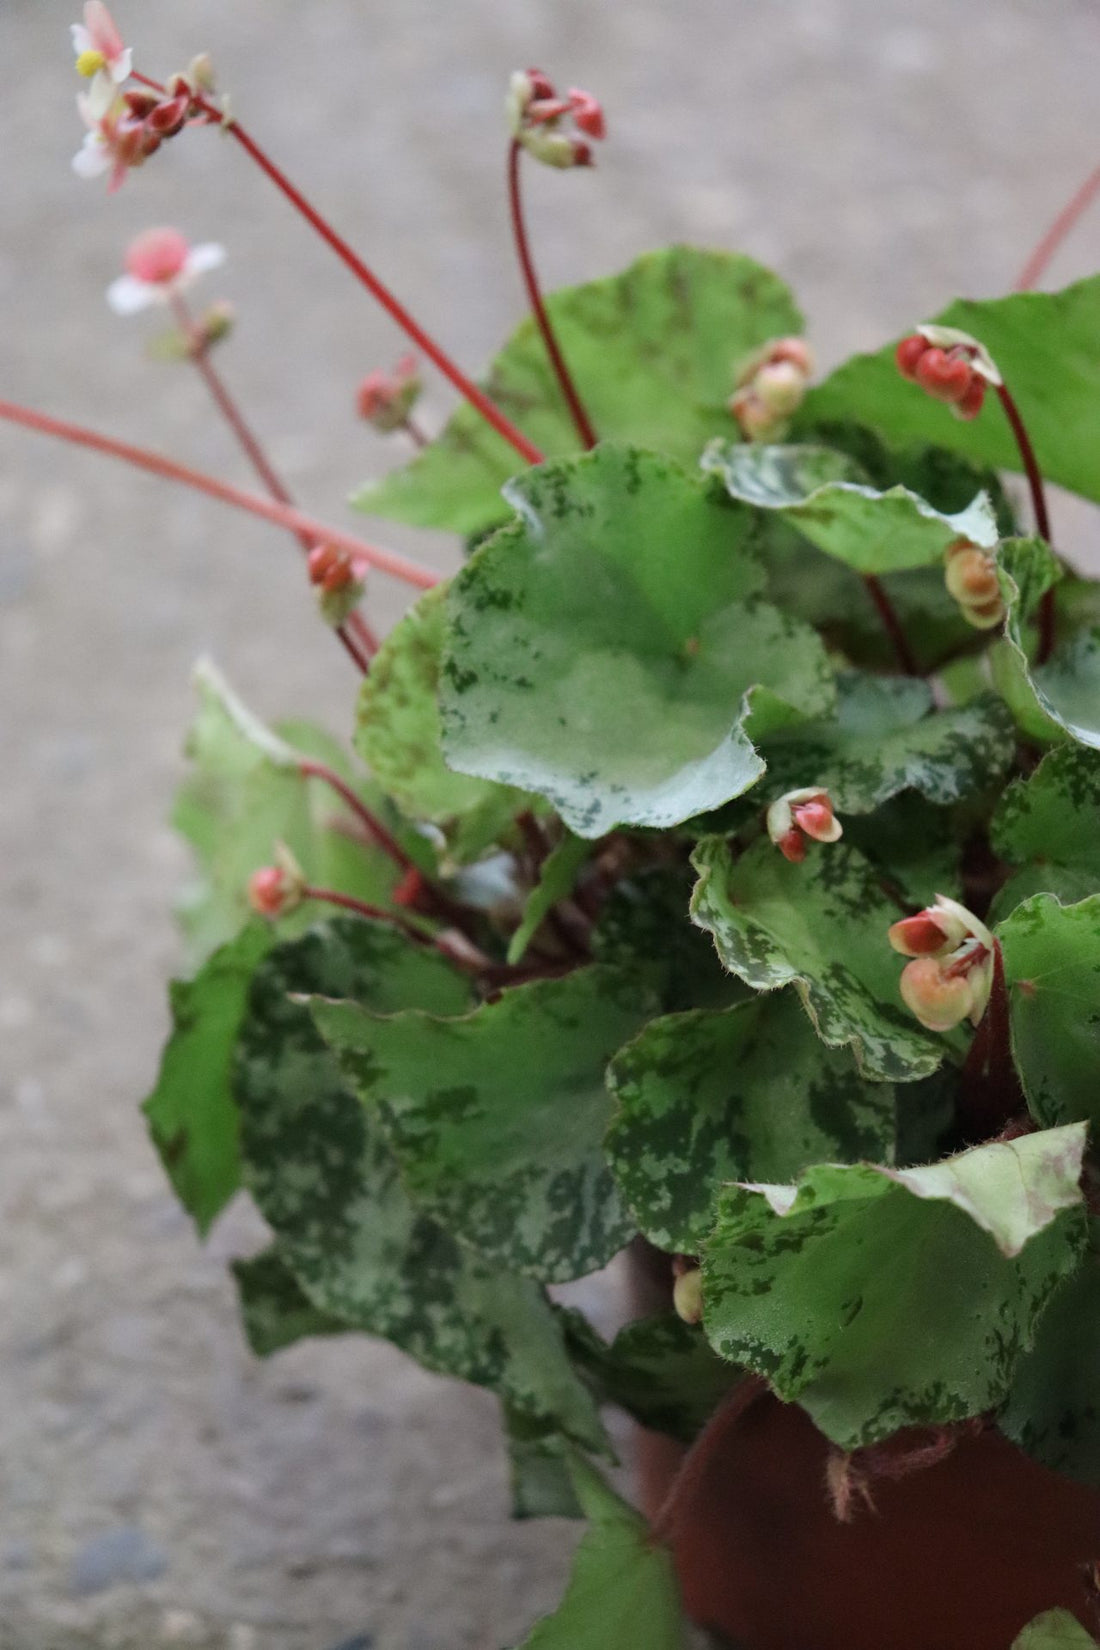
[
  {"x": 159, "y": 264},
  {"x": 101, "y": 56}
]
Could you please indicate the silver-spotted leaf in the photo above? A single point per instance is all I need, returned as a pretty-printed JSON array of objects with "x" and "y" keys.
[
  {"x": 883, "y": 1298},
  {"x": 1047, "y": 825},
  {"x": 1045, "y": 346},
  {"x": 1052, "y": 968},
  {"x": 747, "y": 1094},
  {"x": 1061, "y": 698},
  {"x": 870, "y": 531},
  {"x": 275, "y": 1308},
  {"x": 653, "y": 351},
  {"x": 326, "y": 1181},
  {"x": 1053, "y": 1410},
  {"x": 398, "y": 734},
  {"x": 497, "y": 1118},
  {"x": 610, "y": 650},
  {"x": 820, "y": 926}
]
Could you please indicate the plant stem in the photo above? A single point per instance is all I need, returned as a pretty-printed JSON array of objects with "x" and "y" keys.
[
  {"x": 414, "y": 432},
  {"x": 1056, "y": 234},
  {"x": 1039, "y": 506},
  {"x": 990, "y": 1089},
  {"x": 891, "y": 624},
  {"x": 464, "y": 954},
  {"x": 356, "y": 635},
  {"x": 283, "y": 515},
  {"x": 538, "y": 308},
  {"x": 378, "y": 290},
  {"x": 373, "y": 825}
]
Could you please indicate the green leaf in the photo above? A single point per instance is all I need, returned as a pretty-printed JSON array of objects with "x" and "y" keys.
[
  {"x": 398, "y": 734},
  {"x": 1045, "y": 346},
  {"x": 1052, "y": 968},
  {"x": 556, "y": 879},
  {"x": 820, "y": 926},
  {"x": 1056, "y": 1630},
  {"x": 661, "y": 1370},
  {"x": 884, "y": 1298},
  {"x": 1046, "y": 824},
  {"x": 1061, "y": 697},
  {"x": 606, "y": 650},
  {"x": 914, "y": 845},
  {"x": 653, "y": 352},
  {"x": 1053, "y": 1410},
  {"x": 645, "y": 926},
  {"x": 622, "y": 1593},
  {"x": 276, "y": 1310},
  {"x": 872, "y": 532},
  {"x": 882, "y": 740},
  {"x": 538, "y": 1469},
  {"x": 749, "y": 1094},
  {"x": 328, "y": 1185},
  {"x": 245, "y": 794},
  {"x": 191, "y": 1113},
  {"x": 497, "y": 1119}
]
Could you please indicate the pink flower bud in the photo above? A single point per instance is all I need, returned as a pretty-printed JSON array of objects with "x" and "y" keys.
[
  {"x": 385, "y": 399},
  {"x": 919, "y": 936},
  {"x": 588, "y": 114},
  {"x": 157, "y": 256},
  {"x": 792, "y": 845},
  {"x": 541, "y": 86},
  {"x": 801, "y": 814},
  {"x": 275, "y": 889},
  {"x": 938, "y": 1000},
  {"x": 817, "y": 819}
]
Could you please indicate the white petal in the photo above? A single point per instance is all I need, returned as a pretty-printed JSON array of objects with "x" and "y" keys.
[
  {"x": 123, "y": 66},
  {"x": 100, "y": 96},
  {"x": 203, "y": 258},
  {"x": 82, "y": 40},
  {"x": 93, "y": 158},
  {"x": 127, "y": 295}
]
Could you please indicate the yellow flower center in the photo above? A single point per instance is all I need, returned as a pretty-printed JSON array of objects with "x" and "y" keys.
[{"x": 90, "y": 63}]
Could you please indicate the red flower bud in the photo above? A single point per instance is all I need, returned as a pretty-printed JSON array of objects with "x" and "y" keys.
[
  {"x": 946, "y": 377},
  {"x": 266, "y": 891},
  {"x": 541, "y": 85},
  {"x": 970, "y": 405},
  {"x": 587, "y": 113},
  {"x": 793, "y": 846},
  {"x": 815, "y": 818},
  {"x": 908, "y": 353},
  {"x": 918, "y": 936}
]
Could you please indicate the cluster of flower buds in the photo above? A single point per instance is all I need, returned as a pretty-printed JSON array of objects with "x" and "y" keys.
[
  {"x": 802, "y": 814},
  {"x": 339, "y": 579},
  {"x": 277, "y": 889},
  {"x": 770, "y": 387},
  {"x": 687, "y": 1289},
  {"x": 951, "y": 973},
  {"x": 970, "y": 575},
  {"x": 125, "y": 127},
  {"x": 539, "y": 119},
  {"x": 385, "y": 399},
  {"x": 952, "y": 366}
]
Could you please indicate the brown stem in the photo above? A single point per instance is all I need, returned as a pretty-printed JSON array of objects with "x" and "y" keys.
[
  {"x": 387, "y": 561},
  {"x": 989, "y": 1092},
  {"x": 1039, "y": 506},
  {"x": 1057, "y": 232},
  {"x": 378, "y": 290},
  {"x": 456, "y": 949},
  {"x": 538, "y": 308},
  {"x": 356, "y": 635}
]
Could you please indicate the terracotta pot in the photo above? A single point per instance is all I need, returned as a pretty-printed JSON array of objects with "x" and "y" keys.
[{"x": 959, "y": 1555}]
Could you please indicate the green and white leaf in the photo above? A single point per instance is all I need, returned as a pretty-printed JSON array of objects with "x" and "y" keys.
[
  {"x": 398, "y": 734},
  {"x": 1060, "y": 698},
  {"x": 1052, "y": 968},
  {"x": 661, "y": 1370},
  {"x": 275, "y": 1308},
  {"x": 327, "y": 1183},
  {"x": 748, "y": 1094},
  {"x": 243, "y": 795},
  {"x": 870, "y": 531},
  {"x": 1045, "y": 346},
  {"x": 1053, "y": 1410},
  {"x": 1046, "y": 824},
  {"x": 645, "y": 926},
  {"x": 885, "y": 738},
  {"x": 497, "y": 1119},
  {"x": 883, "y": 1298},
  {"x": 191, "y": 1112},
  {"x": 820, "y": 926},
  {"x": 622, "y": 1594},
  {"x": 611, "y": 650},
  {"x": 653, "y": 351}
]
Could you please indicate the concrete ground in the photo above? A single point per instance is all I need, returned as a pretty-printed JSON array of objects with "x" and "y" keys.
[{"x": 157, "y": 1485}]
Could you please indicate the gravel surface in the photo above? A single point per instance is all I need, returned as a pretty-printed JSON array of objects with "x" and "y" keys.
[{"x": 158, "y": 1486}]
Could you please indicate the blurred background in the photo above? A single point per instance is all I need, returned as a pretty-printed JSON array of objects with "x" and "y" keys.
[{"x": 158, "y": 1486}]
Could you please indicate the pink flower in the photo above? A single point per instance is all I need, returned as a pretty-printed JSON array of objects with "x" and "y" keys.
[
  {"x": 385, "y": 399},
  {"x": 802, "y": 814},
  {"x": 951, "y": 973},
  {"x": 536, "y": 115},
  {"x": 116, "y": 140},
  {"x": 101, "y": 55},
  {"x": 160, "y": 263},
  {"x": 770, "y": 387},
  {"x": 276, "y": 889}
]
